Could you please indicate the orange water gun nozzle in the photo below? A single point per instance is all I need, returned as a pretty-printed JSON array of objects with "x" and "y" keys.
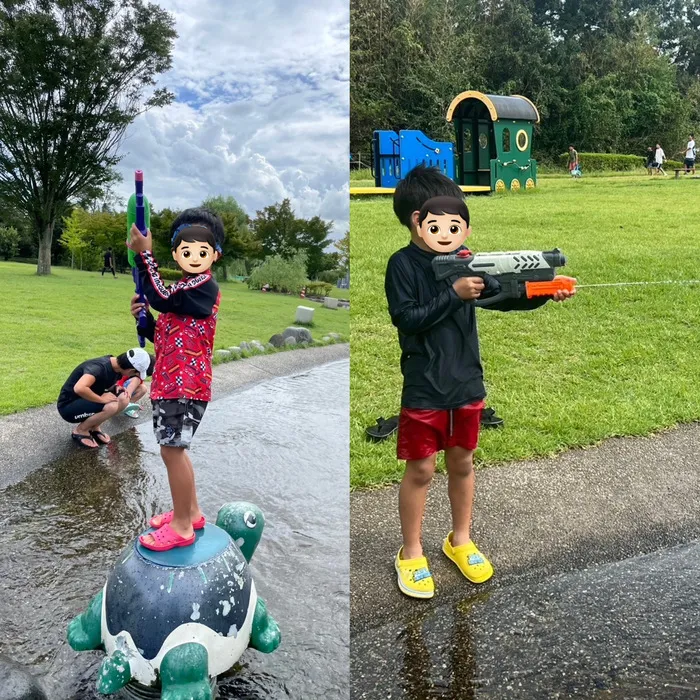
[{"x": 546, "y": 289}]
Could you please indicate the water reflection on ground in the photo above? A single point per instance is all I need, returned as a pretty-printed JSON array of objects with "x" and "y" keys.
[{"x": 282, "y": 444}]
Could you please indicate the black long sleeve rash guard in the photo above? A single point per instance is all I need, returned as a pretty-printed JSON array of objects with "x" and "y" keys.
[
  {"x": 440, "y": 358},
  {"x": 193, "y": 296}
]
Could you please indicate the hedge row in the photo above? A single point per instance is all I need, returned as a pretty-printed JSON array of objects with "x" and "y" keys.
[{"x": 613, "y": 161}]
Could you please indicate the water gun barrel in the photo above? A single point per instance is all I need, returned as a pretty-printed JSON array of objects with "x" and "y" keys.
[
  {"x": 544, "y": 289},
  {"x": 138, "y": 212}
]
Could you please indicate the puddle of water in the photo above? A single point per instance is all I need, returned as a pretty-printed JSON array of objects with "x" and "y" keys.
[
  {"x": 629, "y": 630},
  {"x": 282, "y": 444}
]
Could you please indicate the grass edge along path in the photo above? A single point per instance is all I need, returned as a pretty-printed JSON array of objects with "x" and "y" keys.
[
  {"x": 610, "y": 362},
  {"x": 54, "y": 323}
]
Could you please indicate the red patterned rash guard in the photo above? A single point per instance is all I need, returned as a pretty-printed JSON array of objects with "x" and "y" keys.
[{"x": 183, "y": 335}]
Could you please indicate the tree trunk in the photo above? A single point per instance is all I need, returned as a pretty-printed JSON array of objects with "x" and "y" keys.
[{"x": 45, "y": 239}]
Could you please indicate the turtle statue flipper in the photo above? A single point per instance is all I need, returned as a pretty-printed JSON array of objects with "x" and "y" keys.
[
  {"x": 114, "y": 673},
  {"x": 265, "y": 634},
  {"x": 85, "y": 630},
  {"x": 185, "y": 673}
]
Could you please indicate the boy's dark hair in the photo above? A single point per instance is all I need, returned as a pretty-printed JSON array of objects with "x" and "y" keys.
[
  {"x": 123, "y": 361},
  {"x": 420, "y": 185},
  {"x": 204, "y": 226},
  {"x": 444, "y": 205}
]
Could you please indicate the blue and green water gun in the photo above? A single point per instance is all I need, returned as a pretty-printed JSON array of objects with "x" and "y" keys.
[{"x": 138, "y": 212}]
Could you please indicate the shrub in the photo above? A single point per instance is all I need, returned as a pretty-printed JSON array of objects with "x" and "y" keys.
[
  {"x": 167, "y": 274},
  {"x": 319, "y": 289},
  {"x": 9, "y": 242},
  {"x": 606, "y": 161},
  {"x": 282, "y": 275},
  {"x": 331, "y": 276}
]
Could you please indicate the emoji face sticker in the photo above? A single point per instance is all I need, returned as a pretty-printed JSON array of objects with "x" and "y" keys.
[
  {"x": 444, "y": 224},
  {"x": 195, "y": 257}
]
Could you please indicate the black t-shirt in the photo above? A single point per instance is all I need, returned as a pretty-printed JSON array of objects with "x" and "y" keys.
[
  {"x": 108, "y": 259},
  {"x": 437, "y": 332},
  {"x": 100, "y": 368}
]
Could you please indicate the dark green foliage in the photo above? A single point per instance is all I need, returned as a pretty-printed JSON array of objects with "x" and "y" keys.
[
  {"x": 319, "y": 289},
  {"x": 73, "y": 75},
  {"x": 608, "y": 77}
]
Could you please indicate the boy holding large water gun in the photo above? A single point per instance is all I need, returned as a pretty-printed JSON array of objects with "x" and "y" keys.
[
  {"x": 443, "y": 391},
  {"x": 183, "y": 337}
]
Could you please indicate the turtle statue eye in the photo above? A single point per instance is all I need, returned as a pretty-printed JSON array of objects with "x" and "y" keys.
[{"x": 249, "y": 519}]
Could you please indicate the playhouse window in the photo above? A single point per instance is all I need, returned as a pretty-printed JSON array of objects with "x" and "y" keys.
[
  {"x": 467, "y": 140},
  {"x": 506, "y": 140},
  {"x": 483, "y": 140},
  {"x": 521, "y": 140}
]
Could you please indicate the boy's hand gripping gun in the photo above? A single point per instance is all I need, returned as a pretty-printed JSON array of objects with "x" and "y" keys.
[
  {"x": 138, "y": 212},
  {"x": 522, "y": 273}
]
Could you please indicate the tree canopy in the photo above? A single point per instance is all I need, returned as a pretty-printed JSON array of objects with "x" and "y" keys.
[
  {"x": 74, "y": 77},
  {"x": 606, "y": 76}
]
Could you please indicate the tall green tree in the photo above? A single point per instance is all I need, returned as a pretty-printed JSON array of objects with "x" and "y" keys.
[{"x": 74, "y": 76}]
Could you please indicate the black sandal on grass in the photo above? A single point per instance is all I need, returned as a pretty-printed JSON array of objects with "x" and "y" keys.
[{"x": 383, "y": 428}]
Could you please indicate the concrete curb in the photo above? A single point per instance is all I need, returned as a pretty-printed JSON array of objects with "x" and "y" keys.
[{"x": 31, "y": 438}]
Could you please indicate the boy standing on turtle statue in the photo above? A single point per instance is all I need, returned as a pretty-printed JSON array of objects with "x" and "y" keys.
[
  {"x": 183, "y": 337},
  {"x": 443, "y": 390}
]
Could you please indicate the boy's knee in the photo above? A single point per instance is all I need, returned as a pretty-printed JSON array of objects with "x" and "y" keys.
[
  {"x": 111, "y": 408},
  {"x": 460, "y": 465},
  {"x": 420, "y": 471}
]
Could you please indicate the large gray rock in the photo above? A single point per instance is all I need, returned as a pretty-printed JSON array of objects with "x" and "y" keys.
[
  {"x": 257, "y": 345},
  {"x": 235, "y": 350},
  {"x": 289, "y": 341},
  {"x": 335, "y": 336},
  {"x": 298, "y": 334},
  {"x": 222, "y": 355},
  {"x": 245, "y": 346},
  {"x": 277, "y": 340},
  {"x": 16, "y": 683}
]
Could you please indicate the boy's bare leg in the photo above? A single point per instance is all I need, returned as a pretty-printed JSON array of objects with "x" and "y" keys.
[
  {"x": 412, "y": 495},
  {"x": 181, "y": 479},
  {"x": 460, "y": 488},
  {"x": 194, "y": 512},
  {"x": 93, "y": 422}
]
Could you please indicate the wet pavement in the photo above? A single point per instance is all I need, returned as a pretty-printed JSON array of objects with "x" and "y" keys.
[
  {"x": 282, "y": 444},
  {"x": 629, "y": 629},
  {"x": 594, "y": 594}
]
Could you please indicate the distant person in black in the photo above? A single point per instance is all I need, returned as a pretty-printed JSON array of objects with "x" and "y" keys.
[
  {"x": 109, "y": 263},
  {"x": 85, "y": 398},
  {"x": 443, "y": 390}
]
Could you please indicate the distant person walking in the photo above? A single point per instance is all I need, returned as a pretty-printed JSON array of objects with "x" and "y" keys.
[
  {"x": 109, "y": 262},
  {"x": 659, "y": 159},
  {"x": 650, "y": 160},
  {"x": 573, "y": 159},
  {"x": 690, "y": 155}
]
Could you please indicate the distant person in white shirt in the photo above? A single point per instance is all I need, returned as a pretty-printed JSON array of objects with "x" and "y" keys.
[
  {"x": 690, "y": 155},
  {"x": 659, "y": 158}
]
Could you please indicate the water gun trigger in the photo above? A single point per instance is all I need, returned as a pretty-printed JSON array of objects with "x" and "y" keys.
[{"x": 546, "y": 289}]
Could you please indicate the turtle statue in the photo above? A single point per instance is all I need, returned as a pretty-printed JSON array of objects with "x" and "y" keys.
[{"x": 176, "y": 620}]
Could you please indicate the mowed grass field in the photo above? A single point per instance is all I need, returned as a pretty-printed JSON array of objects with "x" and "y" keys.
[
  {"x": 54, "y": 323},
  {"x": 609, "y": 362}
]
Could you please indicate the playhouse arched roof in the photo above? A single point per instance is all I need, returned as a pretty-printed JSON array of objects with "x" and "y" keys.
[{"x": 499, "y": 106}]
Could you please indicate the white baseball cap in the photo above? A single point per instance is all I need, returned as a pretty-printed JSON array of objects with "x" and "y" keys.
[{"x": 140, "y": 360}]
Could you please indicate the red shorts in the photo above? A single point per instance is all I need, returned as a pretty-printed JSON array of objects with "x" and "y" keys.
[{"x": 423, "y": 432}]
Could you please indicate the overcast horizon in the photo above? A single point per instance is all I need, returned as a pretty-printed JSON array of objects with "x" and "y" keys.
[{"x": 261, "y": 110}]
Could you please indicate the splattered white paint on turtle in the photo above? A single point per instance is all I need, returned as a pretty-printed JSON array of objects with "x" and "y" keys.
[
  {"x": 195, "y": 612},
  {"x": 223, "y": 651}
]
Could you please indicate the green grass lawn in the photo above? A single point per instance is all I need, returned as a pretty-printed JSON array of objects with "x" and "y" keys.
[
  {"x": 56, "y": 322},
  {"x": 621, "y": 361}
]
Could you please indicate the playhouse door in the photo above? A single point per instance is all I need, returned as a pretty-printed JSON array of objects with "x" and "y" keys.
[
  {"x": 467, "y": 145},
  {"x": 484, "y": 149}
]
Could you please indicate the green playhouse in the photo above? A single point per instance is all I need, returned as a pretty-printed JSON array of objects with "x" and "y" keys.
[{"x": 494, "y": 140}]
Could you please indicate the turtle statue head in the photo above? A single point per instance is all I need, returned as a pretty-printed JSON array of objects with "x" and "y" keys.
[{"x": 244, "y": 522}]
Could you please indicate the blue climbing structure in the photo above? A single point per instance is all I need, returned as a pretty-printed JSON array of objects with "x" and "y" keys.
[{"x": 396, "y": 154}]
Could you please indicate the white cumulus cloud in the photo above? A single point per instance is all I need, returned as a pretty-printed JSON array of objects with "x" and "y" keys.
[{"x": 261, "y": 110}]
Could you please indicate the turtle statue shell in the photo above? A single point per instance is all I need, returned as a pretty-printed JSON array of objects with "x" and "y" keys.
[{"x": 153, "y": 602}]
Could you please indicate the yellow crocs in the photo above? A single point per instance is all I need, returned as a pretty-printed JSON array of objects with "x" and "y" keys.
[
  {"x": 414, "y": 576},
  {"x": 470, "y": 561}
]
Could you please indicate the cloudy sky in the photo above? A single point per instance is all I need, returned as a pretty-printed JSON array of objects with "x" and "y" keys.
[{"x": 260, "y": 113}]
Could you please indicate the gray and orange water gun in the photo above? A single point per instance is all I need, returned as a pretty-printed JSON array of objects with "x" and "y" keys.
[{"x": 521, "y": 273}]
